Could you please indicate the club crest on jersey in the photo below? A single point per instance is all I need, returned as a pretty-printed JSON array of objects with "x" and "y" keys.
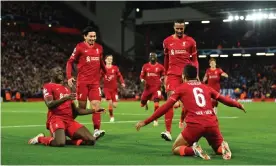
[
  {"x": 156, "y": 69},
  {"x": 112, "y": 71},
  {"x": 216, "y": 72},
  {"x": 184, "y": 43},
  {"x": 97, "y": 50}
]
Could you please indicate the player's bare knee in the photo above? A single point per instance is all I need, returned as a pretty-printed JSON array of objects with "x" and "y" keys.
[{"x": 95, "y": 104}]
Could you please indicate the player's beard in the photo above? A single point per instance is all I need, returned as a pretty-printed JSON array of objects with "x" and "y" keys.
[
  {"x": 179, "y": 34},
  {"x": 152, "y": 61}
]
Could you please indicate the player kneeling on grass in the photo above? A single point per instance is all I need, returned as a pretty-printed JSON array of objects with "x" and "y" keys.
[
  {"x": 61, "y": 114},
  {"x": 200, "y": 118}
]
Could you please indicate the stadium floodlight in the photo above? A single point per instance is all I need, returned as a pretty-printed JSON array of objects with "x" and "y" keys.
[
  {"x": 214, "y": 55},
  {"x": 248, "y": 17},
  {"x": 246, "y": 55},
  {"x": 230, "y": 18},
  {"x": 226, "y": 20},
  {"x": 260, "y": 54},
  {"x": 269, "y": 54},
  {"x": 137, "y": 10},
  {"x": 202, "y": 56},
  {"x": 237, "y": 17},
  {"x": 50, "y": 25},
  {"x": 237, "y": 54},
  {"x": 224, "y": 56},
  {"x": 186, "y": 23},
  {"x": 205, "y": 22},
  {"x": 271, "y": 16},
  {"x": 241, "y": 17}
]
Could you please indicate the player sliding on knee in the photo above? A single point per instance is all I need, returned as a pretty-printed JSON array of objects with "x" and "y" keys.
[
  {"x": 110, "y": 84},
  {"x": 213, "y": 76},
  {"x": 152, "y": 75},
  {"x": 61, "y": 114},
  {"x": 88, "y": 55},
  {"x": 200, "y": 117}
]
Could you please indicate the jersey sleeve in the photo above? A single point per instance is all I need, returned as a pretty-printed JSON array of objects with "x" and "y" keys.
[
  {"x": 102, "y": 65},
  {"x": 220, "y": 71},
  {"x": 166, "y": 56},
  {"x": 143, "y": 73},
  {"x": 226, "y": 101},
  {"x": 120, "y": 76},
  {"x": 47, "y": 91},
  {"x": 75, "y": 55},
  {"x": 162, "y": 70},
  {"x": 193, "y": 52}
]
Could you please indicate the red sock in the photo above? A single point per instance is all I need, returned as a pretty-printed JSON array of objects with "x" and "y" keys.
[
  {"x": 76, "y": 142},
  {"x": 168, "y": 119},
  {"x": 219, "y": 150},
  {"x": 186, "y": 151},
  {"x": 110, "y": 109},
  {"x": 45, "y": 140},
  {"x": 182, "y": 115},
  {"x": 156, "y": 106},
  {"x": 96, "y": 117}
]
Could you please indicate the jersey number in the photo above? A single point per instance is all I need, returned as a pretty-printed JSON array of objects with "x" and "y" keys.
[{"x": 199, "y": 98}]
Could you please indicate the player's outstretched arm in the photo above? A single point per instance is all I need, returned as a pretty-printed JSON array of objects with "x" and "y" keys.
[
  {"x": 226, "y": 101},
  {"x": 157, "y": 114},
  {"x": 205, "y": 78},
  {"x": 224, "y": 75},
  {"x": 51, "y": 103}
]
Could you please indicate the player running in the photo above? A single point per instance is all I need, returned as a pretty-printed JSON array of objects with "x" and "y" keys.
[
  {"x": 152, "y": 75},
  {"x": 60, "y": 118},
  {"x": 88, "y": 56},
  {"x": 200, "y": 119},
  {"x": 180, "y": 50},
  {"x": 110, "y": 84},
  {"x": 213, "y": 75}
]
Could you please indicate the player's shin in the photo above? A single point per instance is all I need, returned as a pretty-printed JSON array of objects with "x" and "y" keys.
[
  {"x": 110, "y": 109},
  {"x": 168, "y": 120},
  {"x": 183, "y": 151}
]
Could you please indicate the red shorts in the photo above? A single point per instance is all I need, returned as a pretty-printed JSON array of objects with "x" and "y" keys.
[
  {"x": 70, "y": 126},
  {"x": 193, "y": 132},
  {"x": 172, "y": 82},
  {"x": 111, "y": 94},
  {"x": 92, "y": 92},
  {"x": 151, "y": 92}
]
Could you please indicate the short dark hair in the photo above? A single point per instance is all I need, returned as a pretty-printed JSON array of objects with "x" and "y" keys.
[
  {"x": 180, "y": 21},
  {"x": 212, "y": 59},
  {"x": 87, "y": 30},
  {"x": 108, "y": 55},
  {"x": 190, "y": 72}
]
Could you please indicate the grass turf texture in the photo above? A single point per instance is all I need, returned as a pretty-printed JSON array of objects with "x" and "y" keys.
[{"x": 251, "y": 138}]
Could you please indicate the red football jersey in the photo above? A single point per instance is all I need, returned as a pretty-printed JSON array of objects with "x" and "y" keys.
[
  {"x": 177, "y": 54},
  {"x": 57, "y": 91},
  {"x": 196, "y": 98},
  {"x": 111, "y": 77},
  {"x": 89, "y": 63},
  {"x": 213, "y": 77},
  {"x": 152, "y": 74}
]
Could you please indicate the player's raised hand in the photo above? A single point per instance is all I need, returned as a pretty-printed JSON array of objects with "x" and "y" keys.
[
  {"x": 71, "y": 82},
  {"x": 139, "y": 125},
  {"x": 101, "y": 110},
  {"x": 242, "y": 108}
]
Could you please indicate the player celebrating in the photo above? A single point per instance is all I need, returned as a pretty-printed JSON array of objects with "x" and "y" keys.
[
  {"x": 88, "y": 55},
  {"x": 178, "y": 48},
  {"x": 200, "y": 117},
  {"x": 152, "y": 75},
  {"x": 213, "y": 75},
  {"x": 60, "y": 119},
  {"x": 110, "y": 84}
]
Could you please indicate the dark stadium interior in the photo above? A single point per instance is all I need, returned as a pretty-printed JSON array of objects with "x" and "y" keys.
[{"x": 28, "y": 54}]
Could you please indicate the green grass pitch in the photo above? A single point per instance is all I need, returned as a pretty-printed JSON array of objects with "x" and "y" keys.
[{"x": 251, "y": 138}]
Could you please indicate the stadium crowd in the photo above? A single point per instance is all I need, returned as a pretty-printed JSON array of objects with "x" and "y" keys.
[{"x": 26, "y": 59}]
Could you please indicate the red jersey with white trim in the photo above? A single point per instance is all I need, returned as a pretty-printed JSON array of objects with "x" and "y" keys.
[
  {"x": 152, "y": 74},
  {"x": 177, "y": 54},
  {"x": 58, "y": 91},
  {"x": 213, "y": 77},
  {"x": 111, "y": 77},
  {"x": 89, "y": 63}
]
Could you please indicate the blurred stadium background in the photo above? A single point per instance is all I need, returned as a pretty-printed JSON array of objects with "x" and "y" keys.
[{"x": 37, "y": 36}]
